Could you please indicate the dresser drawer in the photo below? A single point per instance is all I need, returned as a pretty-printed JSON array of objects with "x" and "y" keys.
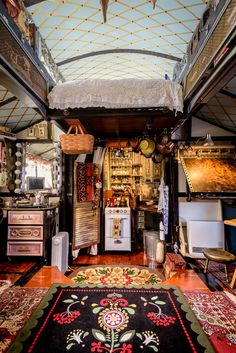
[
  {"x": 25, "y": 217},
  {"x": 23, "y": 248},
  {"x": 25, "y": 232}
]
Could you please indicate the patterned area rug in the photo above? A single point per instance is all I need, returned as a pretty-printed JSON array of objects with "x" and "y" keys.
[
  {"x": 217, "y": 315},
  {"x": 16, "y": 306},
  {"x": 4, "y": 284},
  {"x": 218, "y": 271},
  {"x": 73, "y": 318},
  {"x": 116, "y": 276}
]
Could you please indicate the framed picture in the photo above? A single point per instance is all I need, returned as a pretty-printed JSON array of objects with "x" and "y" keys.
[
  {"x": 42, "y": 131},
  {"x": 31, "y": 131}
]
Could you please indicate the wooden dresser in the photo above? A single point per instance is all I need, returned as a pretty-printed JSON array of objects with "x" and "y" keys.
[{"x": 30, "y": 231}]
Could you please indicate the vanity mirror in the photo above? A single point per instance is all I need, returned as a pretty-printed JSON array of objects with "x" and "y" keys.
[{"x": 41, "y": 168}]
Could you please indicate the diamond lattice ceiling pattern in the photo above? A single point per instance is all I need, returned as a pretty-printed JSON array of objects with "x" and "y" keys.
[
  {"x": 14, "y": 114},
  {"x": 75, "y": 28}
]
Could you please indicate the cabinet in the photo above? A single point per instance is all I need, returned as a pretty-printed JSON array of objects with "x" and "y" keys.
[{"x": 30, "y": 231}]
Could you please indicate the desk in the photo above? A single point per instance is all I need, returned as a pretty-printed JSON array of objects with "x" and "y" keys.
[{"x": 231, "y": 222}]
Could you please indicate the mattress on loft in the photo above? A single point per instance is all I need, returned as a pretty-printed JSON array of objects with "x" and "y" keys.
[{"x": 122, "y": 93}]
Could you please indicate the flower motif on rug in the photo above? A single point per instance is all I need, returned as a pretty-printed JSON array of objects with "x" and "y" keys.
[
  {"x": 118, "y": 276},
  {"x": 113, "y": 317},
  {"x": 112, "y": 320},
  {"x": 158, "y": 317},
  {"x": 114, "y": 313}
]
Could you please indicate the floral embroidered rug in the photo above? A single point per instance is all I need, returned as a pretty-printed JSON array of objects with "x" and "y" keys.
[
  {"x": 216, "y": 313},
  {"x": 218, "y": 271},
  {"x": 73, "y": 319},
  {"x": 16, "y": 306},
  {"x": 116, "y": 275}
]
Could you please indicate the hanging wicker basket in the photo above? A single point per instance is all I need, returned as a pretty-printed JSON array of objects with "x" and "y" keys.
[{"x": 76, "y": 143}]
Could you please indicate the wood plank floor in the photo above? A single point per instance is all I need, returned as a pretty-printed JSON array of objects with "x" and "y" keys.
[{"x": 31, "y": 274}]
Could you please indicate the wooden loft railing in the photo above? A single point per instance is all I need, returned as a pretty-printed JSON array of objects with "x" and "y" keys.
[
  {"x": 21, "y": 71},
  {"x": 214, "y": 64}
]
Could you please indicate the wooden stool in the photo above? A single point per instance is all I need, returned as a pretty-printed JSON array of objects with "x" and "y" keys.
[{"x": 220, "y": 256}]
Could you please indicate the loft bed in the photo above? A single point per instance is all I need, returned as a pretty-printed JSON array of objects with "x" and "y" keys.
[
  {"x": 117, "y": 108},
  {"x": 112, "y": 94}
]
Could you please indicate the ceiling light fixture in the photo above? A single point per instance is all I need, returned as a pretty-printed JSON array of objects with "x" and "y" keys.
[{"x": 208, "y": 140}]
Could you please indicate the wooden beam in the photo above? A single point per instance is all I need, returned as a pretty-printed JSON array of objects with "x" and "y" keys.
[
  {"x": 29, "y": 3},
  {"x": 7, "y": 101},
  {"x": 115, "y": 51},
  {"x": 228, "y": 93}
]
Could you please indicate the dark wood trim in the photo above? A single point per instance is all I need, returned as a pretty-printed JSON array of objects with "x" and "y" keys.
[
  {"x": 7, "y": 101},
  {"x": 227, "y": 93},
  {"x": 29, "y": 3},
  {"x": 115, "y": 51},
  {"x": 217, "y": 125}
]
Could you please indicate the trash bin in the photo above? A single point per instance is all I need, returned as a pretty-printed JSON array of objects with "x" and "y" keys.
[{"x": 151, "y": 239}]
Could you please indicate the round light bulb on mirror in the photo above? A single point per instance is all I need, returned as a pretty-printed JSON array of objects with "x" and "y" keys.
[
  {"x": 18, "y": 145},
  {"x": 17, "y": 171},
  {"x": 18, "y": 163},
  {"x": 17, "y": 191},
  {"x": 17, "y": 181},
  {"x": 18, "y": 154}
]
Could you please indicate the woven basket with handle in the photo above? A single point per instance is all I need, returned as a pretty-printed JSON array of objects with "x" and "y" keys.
[{"x": 76, "y": 143}]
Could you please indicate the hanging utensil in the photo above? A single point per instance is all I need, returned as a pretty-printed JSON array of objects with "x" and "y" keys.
[
  {"x": 157, "y": 157},
  {"x": 104, "y": 4},
  {"x": 153, "y": 3}
]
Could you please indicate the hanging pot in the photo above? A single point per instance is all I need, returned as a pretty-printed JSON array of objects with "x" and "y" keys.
[
  {"x": 147, "y": 147},
  {"x": 157, "y": 157}
]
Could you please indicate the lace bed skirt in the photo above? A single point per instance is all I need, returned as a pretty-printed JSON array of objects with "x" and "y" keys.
[{"x": 123, "y": 93}]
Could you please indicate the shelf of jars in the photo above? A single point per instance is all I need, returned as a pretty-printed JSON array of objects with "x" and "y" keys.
[{"x": 128, "y": 170}]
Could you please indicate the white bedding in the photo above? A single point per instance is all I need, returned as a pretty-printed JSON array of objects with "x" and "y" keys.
[{"x": 122, "y": 93}]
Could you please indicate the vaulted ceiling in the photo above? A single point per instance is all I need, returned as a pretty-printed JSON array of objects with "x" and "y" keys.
[
  {"x": 136, "y": 41},
  {"x": 155, "y": 37}
]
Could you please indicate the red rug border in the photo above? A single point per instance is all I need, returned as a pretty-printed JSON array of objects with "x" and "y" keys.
[{"x": 17, "y": 345}]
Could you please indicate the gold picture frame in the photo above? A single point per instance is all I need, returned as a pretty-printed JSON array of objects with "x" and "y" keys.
[
  {"x": 42, "y": 131},
  {"x": 31, "y": 131}
]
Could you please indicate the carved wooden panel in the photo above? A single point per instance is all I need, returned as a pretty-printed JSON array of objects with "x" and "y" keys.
[
  {"x": 25, "y": 232},
  {"x": 86, "y": 225},
  {"x": 17, "y": 59}
]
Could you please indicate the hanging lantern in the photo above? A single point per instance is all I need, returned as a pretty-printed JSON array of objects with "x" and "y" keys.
[{"x": 104, "y": 4}]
